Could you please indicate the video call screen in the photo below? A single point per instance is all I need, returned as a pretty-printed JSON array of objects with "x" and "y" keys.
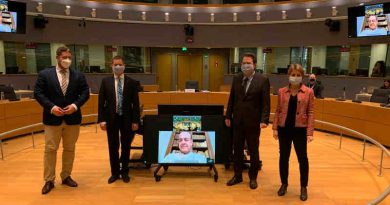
[
  {"x": 370, "y": 20},
  {"x": 12, "y": 17},
  {"x": 186, "y": 143}
]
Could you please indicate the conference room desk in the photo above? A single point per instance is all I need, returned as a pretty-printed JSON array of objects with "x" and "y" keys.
[
  {"x": 16, "y": 114},
  {"x": 366, "y": 117}
]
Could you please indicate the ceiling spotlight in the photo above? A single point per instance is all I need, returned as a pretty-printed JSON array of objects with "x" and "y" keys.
[
  {"x": 234, "y": 17},
  {"x": 189, "y": 17},
  {"x": 308, "y": 13},
  {"x": 93, "y": 13},
  {"x": 67, "y": 10},
  {"x": 284, "y": 15},
  {"x": 258, "y": 16},
  {"x": 166, "y": 16},
  {"x": 120, "y": 15},
  {"x": 212, "y": 18},
  {"x": 143, "y": 16},
  {"x": 39, "y": 8},
  {"x": 334, "y": 11}
]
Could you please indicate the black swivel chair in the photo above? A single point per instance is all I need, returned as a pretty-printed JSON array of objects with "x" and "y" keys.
[
  {"x": 9, "y": 92},
  {"x": 380, "y": 96}
]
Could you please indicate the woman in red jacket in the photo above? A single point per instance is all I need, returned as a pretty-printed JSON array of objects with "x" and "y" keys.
[{"x": 294, "y": 123}]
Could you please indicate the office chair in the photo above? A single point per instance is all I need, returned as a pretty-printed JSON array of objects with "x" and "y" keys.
[{"x": 380, "y": 96}]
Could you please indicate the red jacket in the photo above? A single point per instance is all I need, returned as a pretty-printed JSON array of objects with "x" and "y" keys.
[{"x": 305, "y": 109}]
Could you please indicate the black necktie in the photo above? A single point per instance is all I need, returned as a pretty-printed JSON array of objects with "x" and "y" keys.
[{"x": 245, "y": 83}]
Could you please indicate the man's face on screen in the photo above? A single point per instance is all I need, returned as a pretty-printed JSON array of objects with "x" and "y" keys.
[
  {"x": 373, "y": 22},
  {"x": 185, "y": 142}
]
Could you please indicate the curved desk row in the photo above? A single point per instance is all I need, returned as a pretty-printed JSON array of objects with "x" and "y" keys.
[
  {"x": 367, "y": 118},
  {"x": 16, "y": 114}
]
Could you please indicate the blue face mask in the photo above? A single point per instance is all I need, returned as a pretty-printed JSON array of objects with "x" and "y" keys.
[
  {"x": 118, "y": 69},
  {"x": 247, "y": 68},
  {"x": 295, "y": 80}
]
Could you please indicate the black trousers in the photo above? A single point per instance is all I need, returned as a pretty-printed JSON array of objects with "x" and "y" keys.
[
  {"x": 297, "y": 136},
  {"x": 125, "y": 139},
  {"x": 251, "y": 134}
]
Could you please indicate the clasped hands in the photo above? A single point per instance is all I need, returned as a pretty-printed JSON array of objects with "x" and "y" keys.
[{"x": 57, "y": 111}]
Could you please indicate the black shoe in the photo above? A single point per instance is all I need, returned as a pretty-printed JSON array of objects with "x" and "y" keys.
[
  {"x": 69, "y": 182},
  {"x": 282, "y": 190},
  {"x": 125, "y": 178},
  {"x": 253, "y": 184},
  {"x": 49, "y": 185},
  {"x": 112, "y": 179},
  {"x": 303, "y": 196},
  {"x": 233, "y": 181}
]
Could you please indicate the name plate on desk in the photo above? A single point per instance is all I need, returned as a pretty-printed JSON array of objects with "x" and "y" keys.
[{"x": 189, "y": 90}]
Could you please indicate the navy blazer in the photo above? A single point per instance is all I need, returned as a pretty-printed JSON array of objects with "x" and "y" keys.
[
  {"x": 252, "y": 107},
  {"x": 48, "y": 93},
  {"x": 107, "y": 101}
]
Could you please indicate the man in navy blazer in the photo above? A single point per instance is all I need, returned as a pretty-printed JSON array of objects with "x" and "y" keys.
[
  {"x": 61, "y": 92},
  {"x": 119, "y": 112}
]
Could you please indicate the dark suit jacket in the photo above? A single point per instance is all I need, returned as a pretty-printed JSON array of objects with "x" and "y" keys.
[
  {"x": 253, "y": 107},
  {"x": 130, "y": 103},
  {"x": 48, "y": 93},
  {"x": 318, "y": 88}
]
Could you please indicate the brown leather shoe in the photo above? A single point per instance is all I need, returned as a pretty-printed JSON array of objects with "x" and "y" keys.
[
  {"x": 49, "y": 185},
  {"x": 69, "y": 182},
  {"x": 282, "y": 190}
]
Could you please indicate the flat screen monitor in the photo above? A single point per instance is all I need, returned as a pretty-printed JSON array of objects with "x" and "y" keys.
[
  {"x": 190, "y": 109},
  {"x": 186, "y": 143},
  {"x": 369, "y": 20},
  {"x": 185, "y": 139},
  {"x": 12, "y": 17},
  {"x": 9, "y": 92}
]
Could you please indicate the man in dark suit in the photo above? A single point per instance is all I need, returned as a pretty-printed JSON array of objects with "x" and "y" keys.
[
  {"x": 316, "y": 85},
  {"x": 61, "y": 92},
  {"x": 119, "y": 112},
  {"x": 249, "y": 109}
]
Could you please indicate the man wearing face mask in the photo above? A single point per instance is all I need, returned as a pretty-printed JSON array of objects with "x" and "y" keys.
[
  {"x": 119, "y": 112},
  {"x": 247, "y": 112},
  {"x": 61, "y": 91},
  {"x": 316, "y": 85}
]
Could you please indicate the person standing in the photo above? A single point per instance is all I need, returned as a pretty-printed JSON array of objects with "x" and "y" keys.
[
  {"x": 294, "y": 123},
  {"x": 119, "y": 112},
  {"x": 247, "y": 112},
  {"x": 61, "y": 92}
]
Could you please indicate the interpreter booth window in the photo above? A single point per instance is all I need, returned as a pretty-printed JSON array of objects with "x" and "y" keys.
[
  {"x": 80, "y": 57},
  {"x": 142, "y": 1},
  {"x": 137, "y": 59},
  {"x": 301, "y": 55},
  {"x": 240, "y": 1},
  {"x": 26, "y": 58}
]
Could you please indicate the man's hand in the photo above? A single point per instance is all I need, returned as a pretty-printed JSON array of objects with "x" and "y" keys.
[
  {"x": 57, "y": 111},
  {"x": 276, "y": 136},
  {"x": 134, "y": 126},
  {"x": 69, "y": 109},
  {"x": 263, "y": 125},
  {"x": 227, "y": 122},
  {"x": 103, "y": 125},
  {"x": 310, "y": 138}
]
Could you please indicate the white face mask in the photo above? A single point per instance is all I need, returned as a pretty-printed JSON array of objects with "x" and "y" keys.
[
  {"x": 295, "y": 80},
  {"x": 118, "y": 69},
  {"x": 66, "y": 63},
  {"x": 247, "y": 68}
]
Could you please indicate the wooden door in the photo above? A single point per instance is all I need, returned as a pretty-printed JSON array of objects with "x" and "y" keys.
[
  {"x": 216, "y": 70},
  {"x": 164, "y": 71},
  {"x": 189, "y": 67}
]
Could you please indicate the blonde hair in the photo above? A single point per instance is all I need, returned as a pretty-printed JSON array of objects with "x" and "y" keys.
[{"x": 295, "y": 67}]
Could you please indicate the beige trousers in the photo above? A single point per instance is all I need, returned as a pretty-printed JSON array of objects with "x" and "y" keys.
[{"x": 53, "y": 135}]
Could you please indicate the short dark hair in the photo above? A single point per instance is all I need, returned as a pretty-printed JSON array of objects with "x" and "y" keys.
[
  {"x": 62, "y": 49},
  {"x": 250, "y": 55},
  {"x": 118, "y": 57}
]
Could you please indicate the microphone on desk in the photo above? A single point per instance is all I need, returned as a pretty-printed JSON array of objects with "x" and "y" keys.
[{"x": 343, "y": 98}]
